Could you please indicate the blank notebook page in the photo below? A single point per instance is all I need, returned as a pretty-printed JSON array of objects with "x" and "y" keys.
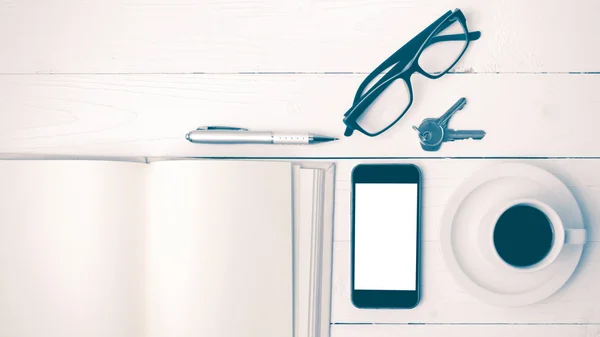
[
  {"x": 71, "y": 248},
  {"x": 219, "y": 249}
]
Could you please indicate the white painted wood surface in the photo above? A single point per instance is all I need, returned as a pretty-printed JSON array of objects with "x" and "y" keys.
[
  {"x": 148, "y": 115},
  {"x": 442, "y": 177},
  {"x": 443, "y": 300},
  {"x": 156, "y": 36},
  {"x": 128, "y": 78}
]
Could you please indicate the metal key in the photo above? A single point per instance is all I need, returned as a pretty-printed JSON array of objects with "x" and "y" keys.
[
  {"x": 443, "y": 119},
  {"x": 452, "y": 135},
  {"x": 433, "y": 131}
]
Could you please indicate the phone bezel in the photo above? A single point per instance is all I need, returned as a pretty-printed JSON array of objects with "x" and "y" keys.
[{"x": 386, "y": 173}]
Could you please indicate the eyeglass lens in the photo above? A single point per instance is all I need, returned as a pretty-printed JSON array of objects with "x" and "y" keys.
[{"x": 441, "y": 54}]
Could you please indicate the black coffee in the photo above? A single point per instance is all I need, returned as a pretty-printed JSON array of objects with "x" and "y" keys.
[{"x": 523, "y": 236}]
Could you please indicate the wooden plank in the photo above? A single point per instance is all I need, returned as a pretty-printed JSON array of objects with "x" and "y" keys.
[
  {"x": 148, "y": 115},
  {"x": 441, "y": 178},
  {"x": 443, "y": 300},
  {"x": 464, "y": 330},
  {"x": 110, "y": 36}
]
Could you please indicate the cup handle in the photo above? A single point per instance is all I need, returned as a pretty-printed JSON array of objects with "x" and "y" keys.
[{"x": 575, "y": 236}]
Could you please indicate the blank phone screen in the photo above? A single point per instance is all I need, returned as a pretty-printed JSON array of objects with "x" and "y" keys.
[{"x": 385, "y": 236}]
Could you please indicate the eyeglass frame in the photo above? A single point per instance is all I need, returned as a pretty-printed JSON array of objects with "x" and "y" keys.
[{"x": 404, "y": 67}]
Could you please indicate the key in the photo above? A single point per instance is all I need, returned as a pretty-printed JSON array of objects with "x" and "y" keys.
[
  {"x": 442, "y": 121},
  {"x": 434, "y": 131},
  {"x": 452, "y": 135}
]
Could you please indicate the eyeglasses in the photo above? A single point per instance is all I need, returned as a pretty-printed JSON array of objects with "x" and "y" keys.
[{"x": 379, "y": 104}]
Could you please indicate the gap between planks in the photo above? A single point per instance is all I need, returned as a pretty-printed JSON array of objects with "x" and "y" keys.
[
  {"x": 390, "y": 158},
  {"x": 466, "y": 324},
  {"x": 289, "y": 73}
]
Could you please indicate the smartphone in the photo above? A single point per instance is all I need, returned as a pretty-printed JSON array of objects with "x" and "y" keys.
[{"x": 386, "y": 202}]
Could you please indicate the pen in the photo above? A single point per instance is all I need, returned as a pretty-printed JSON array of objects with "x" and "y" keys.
[{"x": 233, "y": 135}]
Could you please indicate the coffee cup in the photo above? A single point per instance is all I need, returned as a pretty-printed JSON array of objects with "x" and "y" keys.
[{"x": 525, "y": 235}]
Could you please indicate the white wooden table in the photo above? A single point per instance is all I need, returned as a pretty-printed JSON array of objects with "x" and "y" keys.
[{"x": 128, "y": 78}]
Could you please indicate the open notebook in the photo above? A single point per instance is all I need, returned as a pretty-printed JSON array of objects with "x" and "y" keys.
[{"x": 172, "y": 248}]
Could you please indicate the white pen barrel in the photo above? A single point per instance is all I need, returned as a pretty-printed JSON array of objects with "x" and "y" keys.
[
  {"x": 289, "y": 138},
  {"x": 230, "y": 137}
]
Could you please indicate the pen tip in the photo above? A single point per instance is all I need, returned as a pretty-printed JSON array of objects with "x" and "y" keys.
[
  {"x": 316, "y": 138},
  {"x": 187, "y": 136}
]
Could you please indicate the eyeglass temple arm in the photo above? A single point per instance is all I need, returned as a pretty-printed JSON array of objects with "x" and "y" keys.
[
  {"x": 399, "y": 57},
  {"x": 394, "y": 58},
  {"x": 472, "y": 36},
  {"x": 456, "y": 37},
  {"x": 411, "y": 46}
]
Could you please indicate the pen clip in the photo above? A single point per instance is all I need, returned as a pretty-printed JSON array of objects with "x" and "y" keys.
[{"x": 230, "y": 128}]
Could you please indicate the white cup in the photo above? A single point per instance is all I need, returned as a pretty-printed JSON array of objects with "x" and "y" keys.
[{"x": 561, "y": 235}]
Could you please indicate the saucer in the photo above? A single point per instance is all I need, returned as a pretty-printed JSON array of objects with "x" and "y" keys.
[{"x": 463, "y": 215}]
